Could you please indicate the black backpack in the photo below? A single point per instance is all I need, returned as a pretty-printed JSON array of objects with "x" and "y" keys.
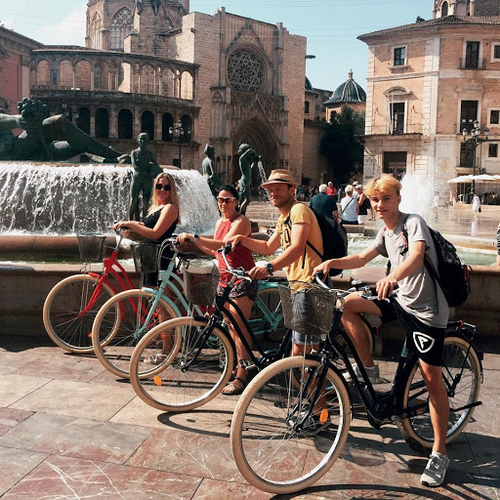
[
  {"x": 452, "y": 276},
  {"x": 334, "y": 239}
]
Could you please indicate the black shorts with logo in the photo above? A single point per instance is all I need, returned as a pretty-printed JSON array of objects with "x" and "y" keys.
[{"x": 427, "y": 341}]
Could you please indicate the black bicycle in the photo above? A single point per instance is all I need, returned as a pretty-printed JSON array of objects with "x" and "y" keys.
[
  {"x": 202, "y": 353},
  {"x": 293, "y": 419}
]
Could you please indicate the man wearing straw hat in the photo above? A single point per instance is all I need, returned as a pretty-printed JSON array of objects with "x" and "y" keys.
[{"x": 296, "y": 226}]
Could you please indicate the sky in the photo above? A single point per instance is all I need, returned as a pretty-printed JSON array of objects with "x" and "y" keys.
[{"x": 330, "y": 26}]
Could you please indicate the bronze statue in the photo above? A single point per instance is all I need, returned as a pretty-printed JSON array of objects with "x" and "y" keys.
[
  {"x": 208, "y": 168},
  {"x": 247, "y": 159},
  {"x": 146, "y": 169},
  {"x": 44, "y": 137}
]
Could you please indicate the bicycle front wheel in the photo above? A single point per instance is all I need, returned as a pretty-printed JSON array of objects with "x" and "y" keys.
[
  {"x": 70, "y": 309},
  {"x": 274, "y": 446},
  {"x": 122, "y": 322},
  {"x": 195, "y": 372},
  {"x": 462, "y": 379}
]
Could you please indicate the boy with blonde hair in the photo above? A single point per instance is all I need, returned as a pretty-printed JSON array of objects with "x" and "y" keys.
[{"x": 419, "y": 304}]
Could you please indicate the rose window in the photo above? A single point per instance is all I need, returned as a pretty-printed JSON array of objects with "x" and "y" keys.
[{"x": 245, "y": 71}]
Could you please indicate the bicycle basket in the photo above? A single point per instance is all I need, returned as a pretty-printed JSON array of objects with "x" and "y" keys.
[
  {"x": 200, "y": 282},
  {"x": 91, "y": 247},
  {"x": 145, "y": 257},
  {"x": 307, "y": 308}
]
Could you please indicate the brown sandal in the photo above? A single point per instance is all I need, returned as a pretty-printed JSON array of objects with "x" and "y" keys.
[{"x": 232, "y": 390}]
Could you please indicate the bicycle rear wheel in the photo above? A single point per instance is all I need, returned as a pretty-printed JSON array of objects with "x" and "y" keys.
[
  {"x": 65, "y": 317},
  {"x": 462, "y": 379},
  {"x": 271, "y": 450},
  {"x": 121, "y": 323},
  {"x": 196, "y": 371}
]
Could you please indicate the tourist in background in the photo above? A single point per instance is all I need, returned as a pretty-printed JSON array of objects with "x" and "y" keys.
[
  {"x": 349, "y": 207},
  {"x": 324, "y": 204},
  {"x": 363, "y": 204},
  {"x": 244, "y": 293},
  {"x": 331, "y": 190},
  {"x": 476, "y": 205}
]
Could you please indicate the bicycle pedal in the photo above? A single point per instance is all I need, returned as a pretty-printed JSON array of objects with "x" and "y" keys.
[
  {"x": 247, "y": 364},
  {"x": 415, "y": 445}
]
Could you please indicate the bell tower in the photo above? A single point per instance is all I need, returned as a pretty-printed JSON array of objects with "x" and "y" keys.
[{"x": 132, "y": 25}]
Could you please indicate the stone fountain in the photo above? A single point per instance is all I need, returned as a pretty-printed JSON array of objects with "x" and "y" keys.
[{"x": 51, "y": 203}]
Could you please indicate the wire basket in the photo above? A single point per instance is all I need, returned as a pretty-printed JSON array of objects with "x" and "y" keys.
[
  {"x": 91, "y": 247},
  {"x": 307, "y": 308},
  {"x": 145, "y": 257},
  {"x": 200, "y": 282}
]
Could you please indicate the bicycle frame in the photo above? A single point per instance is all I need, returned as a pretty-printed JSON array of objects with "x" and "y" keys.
[{"x": 109, "y": 267}]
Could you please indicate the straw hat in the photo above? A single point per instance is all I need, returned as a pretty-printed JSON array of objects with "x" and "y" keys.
[{"x": 279, "y": 176}]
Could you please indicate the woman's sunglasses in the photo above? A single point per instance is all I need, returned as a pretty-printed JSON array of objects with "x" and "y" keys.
[
  {"x": 222, "y": 199},
  {"x": 165, "y": 188}
]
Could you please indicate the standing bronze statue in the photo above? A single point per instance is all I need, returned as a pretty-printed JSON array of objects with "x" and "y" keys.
[
  {"x": 146, "y": 169},
  {"x": 44, "y": 137},
  {"x": 248, "y": 157},
  {"x": 208, "y": 168}
]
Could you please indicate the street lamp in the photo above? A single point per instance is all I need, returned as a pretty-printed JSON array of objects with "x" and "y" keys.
[
  {"x": 475, "y": 141},
  {"x": 179, "y": 134}
]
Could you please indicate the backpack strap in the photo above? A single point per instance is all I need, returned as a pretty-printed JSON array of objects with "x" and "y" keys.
[{"x": 288, "y": 222}]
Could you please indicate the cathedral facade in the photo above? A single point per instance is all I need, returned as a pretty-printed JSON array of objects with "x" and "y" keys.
[{"x": 186, "y": 78}]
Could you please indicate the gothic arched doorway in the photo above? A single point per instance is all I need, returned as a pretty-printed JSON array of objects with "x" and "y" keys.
[{"x": 263, "y": 141}]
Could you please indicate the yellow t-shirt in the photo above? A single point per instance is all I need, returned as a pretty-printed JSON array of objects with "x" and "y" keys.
[{"x": 302, "y": 268}]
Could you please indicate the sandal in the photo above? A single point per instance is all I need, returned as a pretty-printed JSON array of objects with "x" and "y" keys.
[
  {"x": 157, "y": 359},
  {"x": 232, "y": 390}
]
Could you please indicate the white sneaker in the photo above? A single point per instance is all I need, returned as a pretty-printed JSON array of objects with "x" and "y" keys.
[
  {"x": 373, "y": 375},
  {"x": 435, "y": 471}
]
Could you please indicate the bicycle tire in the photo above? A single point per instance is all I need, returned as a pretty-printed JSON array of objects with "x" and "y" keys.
[
  {"x": 120, "y": 325},
  {"x": 419, "y": 426},
  {"x": 270, "y": 454},
  {"x": 271, "y": 299},
  {"x": 181, "y": 382},
  {"x": 62, "y": 308}
]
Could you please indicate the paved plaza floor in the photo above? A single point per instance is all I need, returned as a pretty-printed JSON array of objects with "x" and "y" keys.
[{"x": 71, "y": 430}]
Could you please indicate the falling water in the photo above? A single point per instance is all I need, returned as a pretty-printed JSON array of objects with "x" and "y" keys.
[
  {"x": 37, "y": 198},
  {"x": 263, "y": 196}
]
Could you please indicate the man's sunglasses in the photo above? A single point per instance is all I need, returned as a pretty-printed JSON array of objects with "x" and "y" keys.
[
  {"x": 165, "y": 188},
  {"x": 222, "y": 199}
]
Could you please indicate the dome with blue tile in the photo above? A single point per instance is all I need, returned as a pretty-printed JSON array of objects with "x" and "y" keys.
[{"x": 348, "y": 92}]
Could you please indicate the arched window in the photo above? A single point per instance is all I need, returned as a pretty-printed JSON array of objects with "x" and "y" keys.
[
  {"x": 97, "y": 77},
  {"x": 121, "y": 26},
  {"x": 148, "y": 124},
  {"x": 95, "y": 32},
  {"x": 83, "y": 120},
  {"x": 187, "y": 125},
  {"x": 444, "y": 9},
  {"x": 167, "y": 121},
  {"x": 102, "y": 123},
  {"x": 125, "y": 124}
]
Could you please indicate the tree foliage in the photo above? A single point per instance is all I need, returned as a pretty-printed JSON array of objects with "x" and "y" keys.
[{"x": 343, "y": 145}]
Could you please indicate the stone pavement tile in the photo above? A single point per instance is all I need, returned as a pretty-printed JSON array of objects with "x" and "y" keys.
[
  {"x": 77, "y": 399},
  {"x": 394, "y": 480},
  {"x": 62, "y": 365},
  {"x": 10, "y": 417},
  {"x": 137, "y": 412},
  {"x": 63, "y": 477},
  {"x": 78, "y": 438},
  {"x": 15, "y": 387},
  {"x": 212, "y": 489},
  {"x": 187, "y": 453},
  {"x": 15, "y": 464}
]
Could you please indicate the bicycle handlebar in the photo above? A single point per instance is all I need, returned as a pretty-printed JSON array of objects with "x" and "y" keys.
[{"x": 240, "y": 272}]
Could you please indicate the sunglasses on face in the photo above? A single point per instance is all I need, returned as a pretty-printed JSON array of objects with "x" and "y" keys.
[
  {"x": 165, "y": 187},
  {"x": 222, "y": 199}
]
